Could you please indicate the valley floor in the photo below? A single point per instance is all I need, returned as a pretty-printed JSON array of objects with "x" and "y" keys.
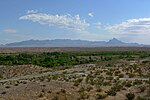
[{"x": 123, "y": 77}]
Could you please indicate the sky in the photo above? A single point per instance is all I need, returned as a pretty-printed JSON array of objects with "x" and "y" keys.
[{"x": 94, "y": 20}]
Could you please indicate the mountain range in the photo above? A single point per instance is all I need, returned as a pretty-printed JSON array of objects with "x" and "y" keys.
[{"x": 71, "y": 43}]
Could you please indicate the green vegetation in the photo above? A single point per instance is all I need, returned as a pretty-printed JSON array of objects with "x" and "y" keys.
[
  {"x": 52, "y": 59},
  {"x": 42, "y": 59},
  {"x": 130, "y": 96}
]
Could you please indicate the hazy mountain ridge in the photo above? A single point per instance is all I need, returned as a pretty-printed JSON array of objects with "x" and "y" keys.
[{"x": 71, "y": 43}]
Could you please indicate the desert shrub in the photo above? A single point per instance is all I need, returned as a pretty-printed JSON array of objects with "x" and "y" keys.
[
  {"x": 131, "y": 75},
  {"x": 128, "y": 84},
  {"x": 137, "y": 82},
  {"x": 63, "y": 90},
  {"x": 16, "y": 84},
  {"x": 109, "y": 73},
  {"x": 54, "y": 77},
  {"x": 142, "y": 88},
  {"x": 108, "y": 65},
  {"x": 77, "y": 81},
  {"x": 121, "y": 75},
  {"x": 55, "y": 98},
  {"x": 43, "y": 90},
  {"x": 143, "y": 55},
  {"x": 23, "y": 82},
  {"x": 141, "y": 98},
  {"x": 106, "y": 83},
  {"x": 130, "y": 96},
  {"x": 98, "y": 72},
  {"x": 40, "y": 95},
  {"x": 100, "y": 96},
  {"x": 117, "y": 87},
  {"x": 146, "y": 61},
  {"x": 84, "y": 96},
  {"x": 7, "y": 87},
  {"x": 1, "y": 76},
  {"x": 148, "y": 92},
  {"x": 117, "y": 72},
  {"x": 76, "y": 84},
  {"x": 111, "y": 92},
  {"x": 109, "y": 78},
  {"x": 4, "y": 92},
  {"x": 89, "y": 88},
  {"x": 49, "y": 91},
  {"x": 98, "y": 89}
]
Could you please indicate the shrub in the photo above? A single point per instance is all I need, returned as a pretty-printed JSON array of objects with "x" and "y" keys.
[
  {"x": 16, "y": 84},
  {"x": 100, "y": 96},
  {"x": 109, "y": 73},
  {"x": 84, "y": 95},
  {"x": 121, "y": 75},
  {"x": 141, "y": 98},
  {"x": 78, "y": 81},
  {"x": 117, "y": 87},
  {"x": 106, "y": 83},
  {"x": 108, "y": 65},
  {"x": 55, "y": 98},
  {"x": 130, "y": 96},
  {"x": 49, "y": 91},
  {"x": 89, "y": 88},
  {"x": 3, "y": 92},
  {"x": 142, "y": 88},
  {"x": 1, "y": 76},
  {"x": 76, "y": 84},
  {"x": 117, "y": 73},
  {"x": 7, "y": 87},
  {"x": 128, "y": 84},
  {"x": 131, "y": 75},
  {"x": 111, "y": 92},
  {"x": 109, "y": 78},
  {"x": 137, "y": 82},
  {"x": 40, "y": 95},
  {"x": 63, "y": 90},
  {"x": 98, "y": 89}
]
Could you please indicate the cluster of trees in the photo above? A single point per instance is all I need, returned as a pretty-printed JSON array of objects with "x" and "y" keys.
[
  {"x": 42, "y": 59},
  {"x": 52, "y": 59}
]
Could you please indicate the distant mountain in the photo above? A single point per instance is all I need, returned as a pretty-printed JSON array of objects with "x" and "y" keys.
[
  {"x": 1, "y": 45},
  {"x": 71, "y": 43},
  {"x": 114, "y": 41}
]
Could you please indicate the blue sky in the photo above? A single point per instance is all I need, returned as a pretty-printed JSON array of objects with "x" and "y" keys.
[{"x": 127, "y": 20}]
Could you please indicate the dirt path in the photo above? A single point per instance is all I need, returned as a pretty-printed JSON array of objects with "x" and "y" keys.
[
  {"x": 27, "y": 76},
  {"x": 132, "y": 79}
]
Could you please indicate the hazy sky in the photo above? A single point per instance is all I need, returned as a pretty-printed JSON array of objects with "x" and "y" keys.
[{"x": 127, "y": 20}]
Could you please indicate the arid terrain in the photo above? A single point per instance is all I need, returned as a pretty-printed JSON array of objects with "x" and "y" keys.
[
  {"x": 98, "y": 74},
  {"x": 70, "y": 49}
]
